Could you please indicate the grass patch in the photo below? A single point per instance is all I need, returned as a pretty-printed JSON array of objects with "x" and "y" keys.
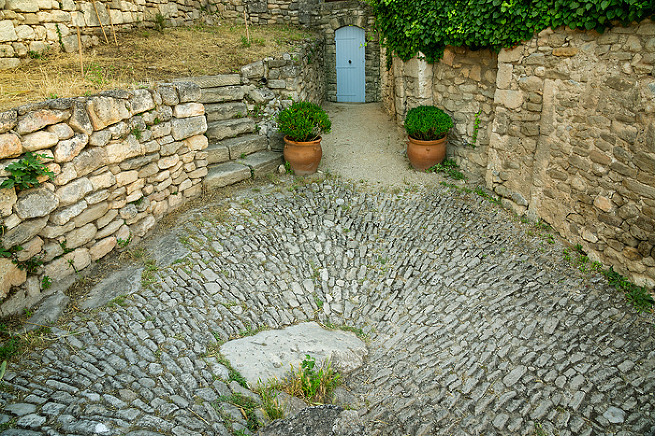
[
  {"x": 143, "y": 57},
  {"x": 269, "y": 393}
]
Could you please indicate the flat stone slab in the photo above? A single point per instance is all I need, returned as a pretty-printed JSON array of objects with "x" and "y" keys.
[
  {"x": 263, "y": 162},
  {"x": 124, "y": 282},
  {"x": 225, "y": 174},
  {"x": 270, "y": 354}
]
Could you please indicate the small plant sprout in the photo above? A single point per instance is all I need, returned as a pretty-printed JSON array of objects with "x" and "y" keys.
[{"x": 25, "y": 173}]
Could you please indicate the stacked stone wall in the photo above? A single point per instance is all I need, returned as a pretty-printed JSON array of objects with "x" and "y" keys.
[
  {"x": 566, "y": 132},
  {"x": 40, "y": 26},
  {"x": 325, "y": 18},
  {"x": 124, "y": 159}
]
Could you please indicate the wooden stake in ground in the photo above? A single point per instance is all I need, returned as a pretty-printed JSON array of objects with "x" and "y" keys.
[
  {"x": 99, "y": 21},
  {"x": 111, "y": 23},
  {"x": 247, "y": 31},
  {"x": 79, "y": 45}
]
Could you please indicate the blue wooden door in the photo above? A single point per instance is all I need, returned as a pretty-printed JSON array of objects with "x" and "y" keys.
[{"x": 351, "y": 77}]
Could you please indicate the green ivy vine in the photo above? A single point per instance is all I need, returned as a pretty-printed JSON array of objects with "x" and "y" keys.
[{"x": 428, "y": 26}]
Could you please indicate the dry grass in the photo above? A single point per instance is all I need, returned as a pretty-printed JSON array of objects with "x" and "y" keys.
[{"x": 143, "y": 57}]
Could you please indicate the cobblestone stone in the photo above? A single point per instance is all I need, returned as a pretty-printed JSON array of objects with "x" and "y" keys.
[{"x": 474, "y": 326}]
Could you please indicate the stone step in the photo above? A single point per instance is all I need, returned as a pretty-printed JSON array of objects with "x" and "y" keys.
[
  {"x": 219, "y": 130},
  {"x": 221, "y": 94},
  {"x": 226, "y": 174},
  {"x": 234, "y": 148},
  {"x": 225, "y": 111},
  {"x": 263, "y": 162}
]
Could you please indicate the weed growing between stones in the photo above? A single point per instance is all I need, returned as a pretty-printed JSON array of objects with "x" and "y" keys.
[
  {"x": 637, "y": 296},
  {"x": 449, "y": 167},
  {"x": 313, "y": 385},
  {"x": 269, "y": 393},
  {"x": 246, "y": 405},
  {"x": 25, "y": 173}
]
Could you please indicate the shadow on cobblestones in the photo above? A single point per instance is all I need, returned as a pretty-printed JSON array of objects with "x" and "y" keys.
[{"x": 474, "y": 326}]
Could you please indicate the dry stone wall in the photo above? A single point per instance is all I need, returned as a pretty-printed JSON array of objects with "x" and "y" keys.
[
  {"x": 121, "y": 160},
  {"x": 124, "y": 159},
  {"x": 566, "y": 132},
  {"x": 325, "y": 18},
  {"x": 50, "y": 25}
]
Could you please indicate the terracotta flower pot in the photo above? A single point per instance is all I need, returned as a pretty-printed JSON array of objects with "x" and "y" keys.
[
  {"x": 426, "y": 154},
  {"x": 303, "y": 157}
]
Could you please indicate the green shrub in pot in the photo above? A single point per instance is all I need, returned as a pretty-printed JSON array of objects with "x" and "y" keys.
[
  {"x": 427, "y": 123},
  {"x": 303, "y": 121}
]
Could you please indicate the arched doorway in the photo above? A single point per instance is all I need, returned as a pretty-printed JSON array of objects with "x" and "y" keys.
[{"x": 351, "y": 64}]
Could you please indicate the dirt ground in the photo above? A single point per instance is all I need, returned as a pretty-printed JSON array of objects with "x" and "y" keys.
[
  {"x": 366, "y": 145},
  {"x": 143, "y": 57}
]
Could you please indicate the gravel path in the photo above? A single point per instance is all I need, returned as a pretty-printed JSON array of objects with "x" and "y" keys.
[{"x": 476, "y": 325}]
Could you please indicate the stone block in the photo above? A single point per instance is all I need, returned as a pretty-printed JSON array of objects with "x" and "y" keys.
[
  {"x": 37, "y": 120},
  {"x": 261, "y": 95},
  {"x": 226, "y": 174},
  {"x": 187, "y": 110},
  {"x": 7, "y": 200},
  {"x": 10, "y": 146},
  {"x": 102, "y": 248},
  {"x": 511, "y": 99},
  {"x": 62, "y": 130},
  {"x": 30, "y": 249},
  {"x": 263, "y": 162},
  {"x": 61, "y": 268},
  {"x": 104, "y": 111},
  {"x": 39, "y": 140},
  {"x": 91, "y": 214},
  {"x": 565, "y": 51},
  {"x": 182, "y": 128},
  {"x": 512, "y": 55},
  {"x": 8, "y": 120},
  {"x": 187, "y": 91},
  {"x": 10, "y": 275},
  {"x": 23, "y": 232},
  {"x": 7, "y": 32},
  {"x": 36, "y": 203},
  {"x": 253, "y": 71},
  {"x": 102, "y": 181},
  {"x": 67, "y": 149},
  {"x": 168, "y": 94},
  {"x": 126, "y": 177},
  {"x": 219, "y": 130},
  {"x": 198, "y": 173},
  {"x": 196, "y": 143},
  {"x": 74, "y": 191},
  {"x": 80, "y": 120},
  {"x": 222, "y": 94},
  {"x": 9, "y": 63},
  {"x": 55, "y": 231},
  {"x": 89, "y": 160},
  {"x": 215, "y": 81},
  {"x": 80, "y": 236},
  {"x": 217, "y": 153},
  {"x": 109, "y": 228},
  {"x": 224, "y": 111},
  {"x": 141, "y": 101},
  {"x": 277, "y": 84},
  {"x": 63, "y": 215},
  {"x": 120, "y": 151}
]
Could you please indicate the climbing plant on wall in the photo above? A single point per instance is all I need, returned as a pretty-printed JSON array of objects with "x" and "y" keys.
[{"x": 428, "y": 26}]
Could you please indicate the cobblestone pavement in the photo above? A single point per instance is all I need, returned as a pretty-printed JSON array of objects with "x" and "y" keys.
[{"x": 475, "y": 326}]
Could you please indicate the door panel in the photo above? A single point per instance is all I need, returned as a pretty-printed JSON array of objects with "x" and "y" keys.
[{"x": 351, "y": 58}]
